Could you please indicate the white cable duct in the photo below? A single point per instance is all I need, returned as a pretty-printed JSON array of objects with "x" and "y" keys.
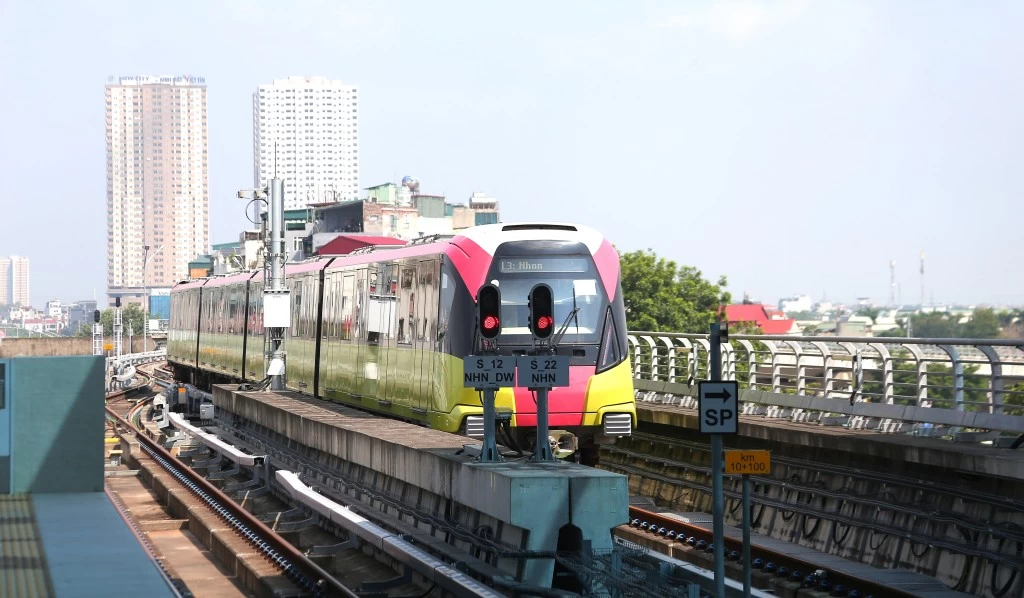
[
  {"x": 226, "y": 450},
  {"x": 429, "y": 567}
]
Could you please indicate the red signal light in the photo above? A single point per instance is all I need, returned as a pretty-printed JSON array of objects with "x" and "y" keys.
[
  {"x": 544, "y": 322},
  {"x": 489, "y": 311}
]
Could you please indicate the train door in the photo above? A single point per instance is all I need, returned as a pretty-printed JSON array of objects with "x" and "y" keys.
[
  {"x": 345, "y": 355},
  {"x": 299, "y": 347},
  {"x": 425, "y": 332},
  {"x": 328, "y": 335},
  {"x": 404, "y": 333},
  {"x": 389, "y": 361},
  {"x": 367, "y": 335}
]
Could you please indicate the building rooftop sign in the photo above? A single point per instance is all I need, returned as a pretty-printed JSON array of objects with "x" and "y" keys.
[{"x": 157, "y": 80}]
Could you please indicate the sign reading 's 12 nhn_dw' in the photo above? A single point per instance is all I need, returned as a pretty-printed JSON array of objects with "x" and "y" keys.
[
  {"x": 489, "y": 371},
  {"x": 719, "y": 402}
]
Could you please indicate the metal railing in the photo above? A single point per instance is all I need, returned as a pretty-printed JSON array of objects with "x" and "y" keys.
[
  {"x": 981, "y": 377},
  {"x": 137, "y": 358}
]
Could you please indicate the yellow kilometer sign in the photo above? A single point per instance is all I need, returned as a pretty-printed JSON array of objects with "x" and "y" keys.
[
  {"x": 108, "y": 347},
  {"x": 748, "y": 462}
]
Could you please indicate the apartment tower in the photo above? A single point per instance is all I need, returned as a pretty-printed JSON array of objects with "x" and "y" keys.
[
  {"x": 306, "y": 131},
  {"x": 157, "y": 190},
  {"x": 14, "y": 287}
]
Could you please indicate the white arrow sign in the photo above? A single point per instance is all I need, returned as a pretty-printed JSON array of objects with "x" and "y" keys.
[{"x": 719, "y": 402}]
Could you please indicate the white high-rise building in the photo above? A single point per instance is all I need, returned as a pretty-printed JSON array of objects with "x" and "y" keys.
[
  {"x": 157, "y": 193},
  {"x": 306, "y": 131},
  {"x": 14, "y": 288}
]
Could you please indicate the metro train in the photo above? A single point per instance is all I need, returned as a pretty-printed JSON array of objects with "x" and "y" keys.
[{"x": 386, "y": 329}]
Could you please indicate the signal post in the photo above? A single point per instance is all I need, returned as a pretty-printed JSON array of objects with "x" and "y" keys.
[
  {"x": 489, "y": 371},
  {"x": 544, "y": 370},
  {"x": 746, "y": 464},
  {"x": 718, "y": 403}
]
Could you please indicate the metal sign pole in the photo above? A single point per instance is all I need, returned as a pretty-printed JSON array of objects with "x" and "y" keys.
[
  {"x": 543, "y": 449},
  {"x": 746, "y": 535},
  {"x": 489, "y": 450},
  {"x": 717, "y": 499},
  {"x": 277, "y": 368}
]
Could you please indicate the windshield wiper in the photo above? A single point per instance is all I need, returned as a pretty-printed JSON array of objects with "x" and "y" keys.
[{"x": 572, "y": 316}]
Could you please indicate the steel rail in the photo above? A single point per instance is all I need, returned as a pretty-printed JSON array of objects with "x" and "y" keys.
[
  {"x": 865, "y": 586},
  {"x": 301, "y": 570}
]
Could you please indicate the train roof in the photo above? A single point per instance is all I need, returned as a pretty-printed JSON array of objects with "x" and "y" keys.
[
  {"x": 489, "y": 236},
  {"x": 229, "y": 279},
  {"x": 460, "y": 247}
]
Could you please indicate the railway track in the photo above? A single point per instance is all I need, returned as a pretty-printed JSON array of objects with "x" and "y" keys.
[
  {"x": 126, "y": 408},
  {"x": 774, "y": 562},
  {"x": 124, "y": 415},
  {"x": 974, "y": 543}
]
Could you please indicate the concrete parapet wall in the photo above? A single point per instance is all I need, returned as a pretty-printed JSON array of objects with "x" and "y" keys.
[
  {"x": 897, "y": 452},
  {"x": 57, "y": 346},
  {"x": 890, "y": 501},
  {"x": 51, "y": 424},
  {"x": 525, "y": 504}
]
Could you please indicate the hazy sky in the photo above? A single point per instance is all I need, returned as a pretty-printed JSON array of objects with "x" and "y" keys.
[{"x": 795, "y": 147}]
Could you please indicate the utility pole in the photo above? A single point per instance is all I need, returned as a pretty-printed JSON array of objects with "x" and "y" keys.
[
  {"x": 97, "y": 333},
  {"x": 145, "y": 293},
  {"x": 922, "y": 280},
  {"x": 892, "y": 283},
  {"x": 117, "y": 327},
  {"x": 145, "y": 298},
  {"x": 276, "y": 302}
]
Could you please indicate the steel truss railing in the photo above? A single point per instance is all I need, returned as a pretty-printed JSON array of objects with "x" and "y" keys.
[
  {"x": 138, "y": 358},
  {"x": 945, "y": 385}
]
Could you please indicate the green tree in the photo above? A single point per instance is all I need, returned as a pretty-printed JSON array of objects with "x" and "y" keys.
[
  {"x": 1014, "y": 397},
  {"x": 984, "y": 323},
  {"x": 934, "y": 325},
  {"x": 131, "y": 318},
  {"x": 869, "y": 312},
  {"x": 662, "y": 296},
  {"x": 1011, "y": 322}
]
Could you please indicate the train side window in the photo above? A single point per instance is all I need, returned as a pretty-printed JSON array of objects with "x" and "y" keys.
[
  {"x": 347, "y": 301},
  {"x": 444, "y": 309},
  {"x": 232, "y": 309},
  {"x": 406, "y": 303},
  {"x": 296, "y": 306},
  {"x": 310, "y": 314}
]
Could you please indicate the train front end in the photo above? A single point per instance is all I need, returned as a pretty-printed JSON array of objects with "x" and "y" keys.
[{"x": 582, "y": 269}]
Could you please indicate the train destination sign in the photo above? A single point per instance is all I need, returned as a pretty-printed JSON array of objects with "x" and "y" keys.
[
  {"x": 488, "y": 371},
  {"x": 543, "y": 371},
  {"x": 517, "y": 265},
  {"x": 748, "y": 462}
]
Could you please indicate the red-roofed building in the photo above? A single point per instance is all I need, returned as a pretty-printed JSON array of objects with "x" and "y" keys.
[
  {"x": 345, "y": 244},
  {"x": 768, "y": 319}
]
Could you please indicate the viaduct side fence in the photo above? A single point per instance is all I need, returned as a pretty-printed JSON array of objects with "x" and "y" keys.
[{"x": 968, "y": 390}]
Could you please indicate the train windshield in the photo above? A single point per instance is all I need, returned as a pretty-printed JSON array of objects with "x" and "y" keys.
[{"x": 574, "y": 283}]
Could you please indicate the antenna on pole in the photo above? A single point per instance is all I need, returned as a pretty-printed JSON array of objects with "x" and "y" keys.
[
  {"x": 892, "y": 283},
  {"x": 922, "y": 279}
]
